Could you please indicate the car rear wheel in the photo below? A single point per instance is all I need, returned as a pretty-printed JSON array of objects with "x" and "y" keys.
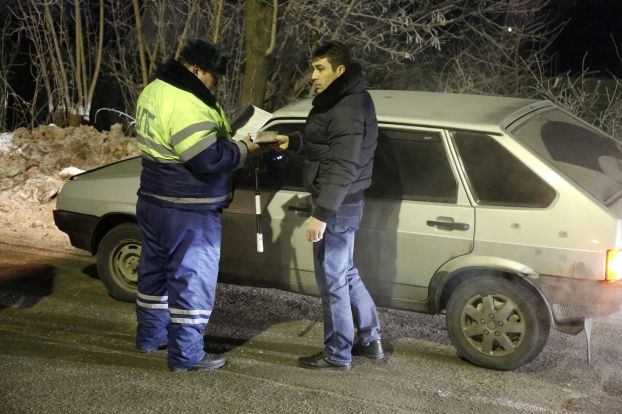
[
  {"x": 118, "y": 256},
  {"x": 497, "y": 323}
]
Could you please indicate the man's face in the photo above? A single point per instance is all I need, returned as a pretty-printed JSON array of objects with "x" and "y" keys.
[
  {"x": 323, "y": 74},
  {"x": 208, "y": 79}
]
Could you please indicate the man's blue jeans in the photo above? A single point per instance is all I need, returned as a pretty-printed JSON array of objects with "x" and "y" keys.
[{"x": 346, "y": 304}]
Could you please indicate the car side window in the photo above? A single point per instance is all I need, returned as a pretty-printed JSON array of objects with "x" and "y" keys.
[
  {"x": 277, "y": 169},
  {"x": 497, "y": 177},
  {"x": 412, "y": 165}
]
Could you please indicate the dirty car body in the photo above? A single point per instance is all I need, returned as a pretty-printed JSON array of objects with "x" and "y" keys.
[{"x": 504, "y": 213}]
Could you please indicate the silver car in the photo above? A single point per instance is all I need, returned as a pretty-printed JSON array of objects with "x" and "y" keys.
[{"x": 503, "y": 213}]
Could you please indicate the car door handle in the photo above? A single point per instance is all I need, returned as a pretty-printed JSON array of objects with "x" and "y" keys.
[
  {"x": 300, "y": 209},
  {"x": 448, "y": 225}
]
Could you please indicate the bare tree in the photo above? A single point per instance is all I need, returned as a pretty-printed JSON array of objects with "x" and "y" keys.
[
  {"x": 141, "y": 42},
  {"x": 99, "y": 57},
  {"x": 82, "y": 69},
  {"x": 8, "y": 52},
  {"x": 494, "y": 50},
  {"x": 258, "y": 34},
  {"x": 598, "y": 101},
  {"x": 218, "y": 15},
  {"x": 34, "y": 22},
  {"x": 387, "y": 35},
  {"x": 480, "y": 46},
  {"x": 61, "y": 67},
  {"x": 164, "y": 27}
]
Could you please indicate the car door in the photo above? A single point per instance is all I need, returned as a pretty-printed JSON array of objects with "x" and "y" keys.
[
  {"x": 286, "y": 261},
  {"x": 417, "y": 216}
]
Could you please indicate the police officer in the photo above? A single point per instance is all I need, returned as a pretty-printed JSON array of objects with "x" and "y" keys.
[{"x": 188, "y": 159}]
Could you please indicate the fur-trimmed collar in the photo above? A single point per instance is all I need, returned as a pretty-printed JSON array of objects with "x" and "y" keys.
[
  {"x": 351, "y": 81},
  {"x": 179, "y": 76}
]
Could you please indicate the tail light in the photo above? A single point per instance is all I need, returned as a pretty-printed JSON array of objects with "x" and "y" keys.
[{"x": 614, "y": 265}]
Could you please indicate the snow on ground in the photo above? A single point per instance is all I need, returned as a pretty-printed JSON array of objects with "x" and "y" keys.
[
  {"x": 6, "y": 141},
  {"x": 34, "y": 164}
]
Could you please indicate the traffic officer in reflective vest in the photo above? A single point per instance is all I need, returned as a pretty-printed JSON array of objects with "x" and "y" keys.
[{"x": 188, "y": 160}]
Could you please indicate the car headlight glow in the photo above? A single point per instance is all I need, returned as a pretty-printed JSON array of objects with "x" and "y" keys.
[{"x": 614, "y": 265}]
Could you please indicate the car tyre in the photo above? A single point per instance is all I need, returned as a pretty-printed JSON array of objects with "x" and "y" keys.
[
  {"x": 497, "y": 323},
  {"x": 118, "y": 257}
]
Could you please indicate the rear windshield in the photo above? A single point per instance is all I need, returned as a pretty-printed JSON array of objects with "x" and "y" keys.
[{"x": 586, "y": 155}]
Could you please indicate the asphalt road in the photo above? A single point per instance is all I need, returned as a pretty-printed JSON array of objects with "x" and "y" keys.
[{"x": 66, "y": 346}]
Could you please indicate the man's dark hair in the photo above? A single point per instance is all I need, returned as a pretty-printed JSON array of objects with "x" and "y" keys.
[
  {"x": 335, "y": 52},
  {"x": 205, "y": 55}
]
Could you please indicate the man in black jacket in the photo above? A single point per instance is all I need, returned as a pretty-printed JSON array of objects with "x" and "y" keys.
[{"x": 339, "y": 142}]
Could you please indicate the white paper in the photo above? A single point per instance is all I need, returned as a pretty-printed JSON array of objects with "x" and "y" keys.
[{"x": 257, "y": 120}]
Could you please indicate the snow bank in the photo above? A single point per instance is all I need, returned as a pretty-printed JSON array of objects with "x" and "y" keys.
[
  {"x": 34, "y": 165},
  {"x": 6, "y": 141}
]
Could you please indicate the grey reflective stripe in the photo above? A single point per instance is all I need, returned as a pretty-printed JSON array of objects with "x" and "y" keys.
[
  {"x": 198, "y": 147},
  {"x": 190, "y": 321},
  {"x": 179, "y": 136},
  {"x": 160, "y": 149},
  {"x": 161, "y": 160},
  {"x": 151, "y": 305},
  {"x": 243, "y": 154},
  {"x": 191, "y": 311},
  {"x": 187, "y": 200},
  {"x": 154, "y": 298}
]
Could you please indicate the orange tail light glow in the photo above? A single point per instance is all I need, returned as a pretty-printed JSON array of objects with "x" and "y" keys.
[{"x": 614, "y": 265}]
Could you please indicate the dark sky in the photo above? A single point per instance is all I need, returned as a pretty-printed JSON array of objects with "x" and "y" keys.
[{"x": 591, "y": 25}]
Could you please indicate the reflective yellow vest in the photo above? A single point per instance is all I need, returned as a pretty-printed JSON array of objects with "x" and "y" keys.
[
  {"x": 174, "y": 125},
  {"x": 188, "y": 155}
]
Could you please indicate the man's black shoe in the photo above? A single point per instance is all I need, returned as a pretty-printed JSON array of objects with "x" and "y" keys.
[
  {"x": 319, "y": 361},
  {"x": 208, "y": 363},
  {"x": 372, "y": 350}
]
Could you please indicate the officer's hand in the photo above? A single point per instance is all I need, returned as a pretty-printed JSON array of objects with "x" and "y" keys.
[
  {"x": 315, "y": 229},
  {"x": 252, "y": 147}
]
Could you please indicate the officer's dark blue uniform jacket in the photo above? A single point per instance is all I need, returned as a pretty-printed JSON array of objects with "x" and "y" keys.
[{"x": 188, "y": 157}]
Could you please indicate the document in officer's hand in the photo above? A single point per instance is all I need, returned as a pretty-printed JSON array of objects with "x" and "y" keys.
[
  {"x": 249, "y": 122},
  {"x": 265, "y": 137}
]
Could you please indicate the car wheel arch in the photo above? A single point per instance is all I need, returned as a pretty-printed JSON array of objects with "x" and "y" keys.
[
  {"x": 444, "y": 283},
  {"x": 105, "y": 224}
]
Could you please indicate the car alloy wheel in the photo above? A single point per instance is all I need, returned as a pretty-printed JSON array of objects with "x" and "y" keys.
[
  {"x": 497, "y": 321},
  {"x": 493, "y": 324}
]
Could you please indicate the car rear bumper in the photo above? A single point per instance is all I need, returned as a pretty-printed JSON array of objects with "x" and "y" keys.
[
  {"x": 79, "y": 228},
  {"x": 573, "y": 300}
]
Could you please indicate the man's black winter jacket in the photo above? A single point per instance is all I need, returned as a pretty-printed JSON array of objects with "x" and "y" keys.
[{"x": 340, "y": 138}]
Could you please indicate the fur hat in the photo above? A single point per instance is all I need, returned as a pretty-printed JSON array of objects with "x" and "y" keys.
[{"x": 205, "y": 55}]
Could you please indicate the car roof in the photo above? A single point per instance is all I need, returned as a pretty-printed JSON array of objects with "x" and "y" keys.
[{"x": 448, "y": 110}]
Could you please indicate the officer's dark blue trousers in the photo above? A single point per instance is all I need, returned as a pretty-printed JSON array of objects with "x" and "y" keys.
[{"x": 176, "y": 279}]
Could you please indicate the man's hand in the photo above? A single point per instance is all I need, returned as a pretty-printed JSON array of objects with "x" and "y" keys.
[
  {"x": 252, "y": 147},
  {"x": 283, "y": 141},
  {"x": 271, "y": 139},
  {"x": 315, "y": 229}
]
